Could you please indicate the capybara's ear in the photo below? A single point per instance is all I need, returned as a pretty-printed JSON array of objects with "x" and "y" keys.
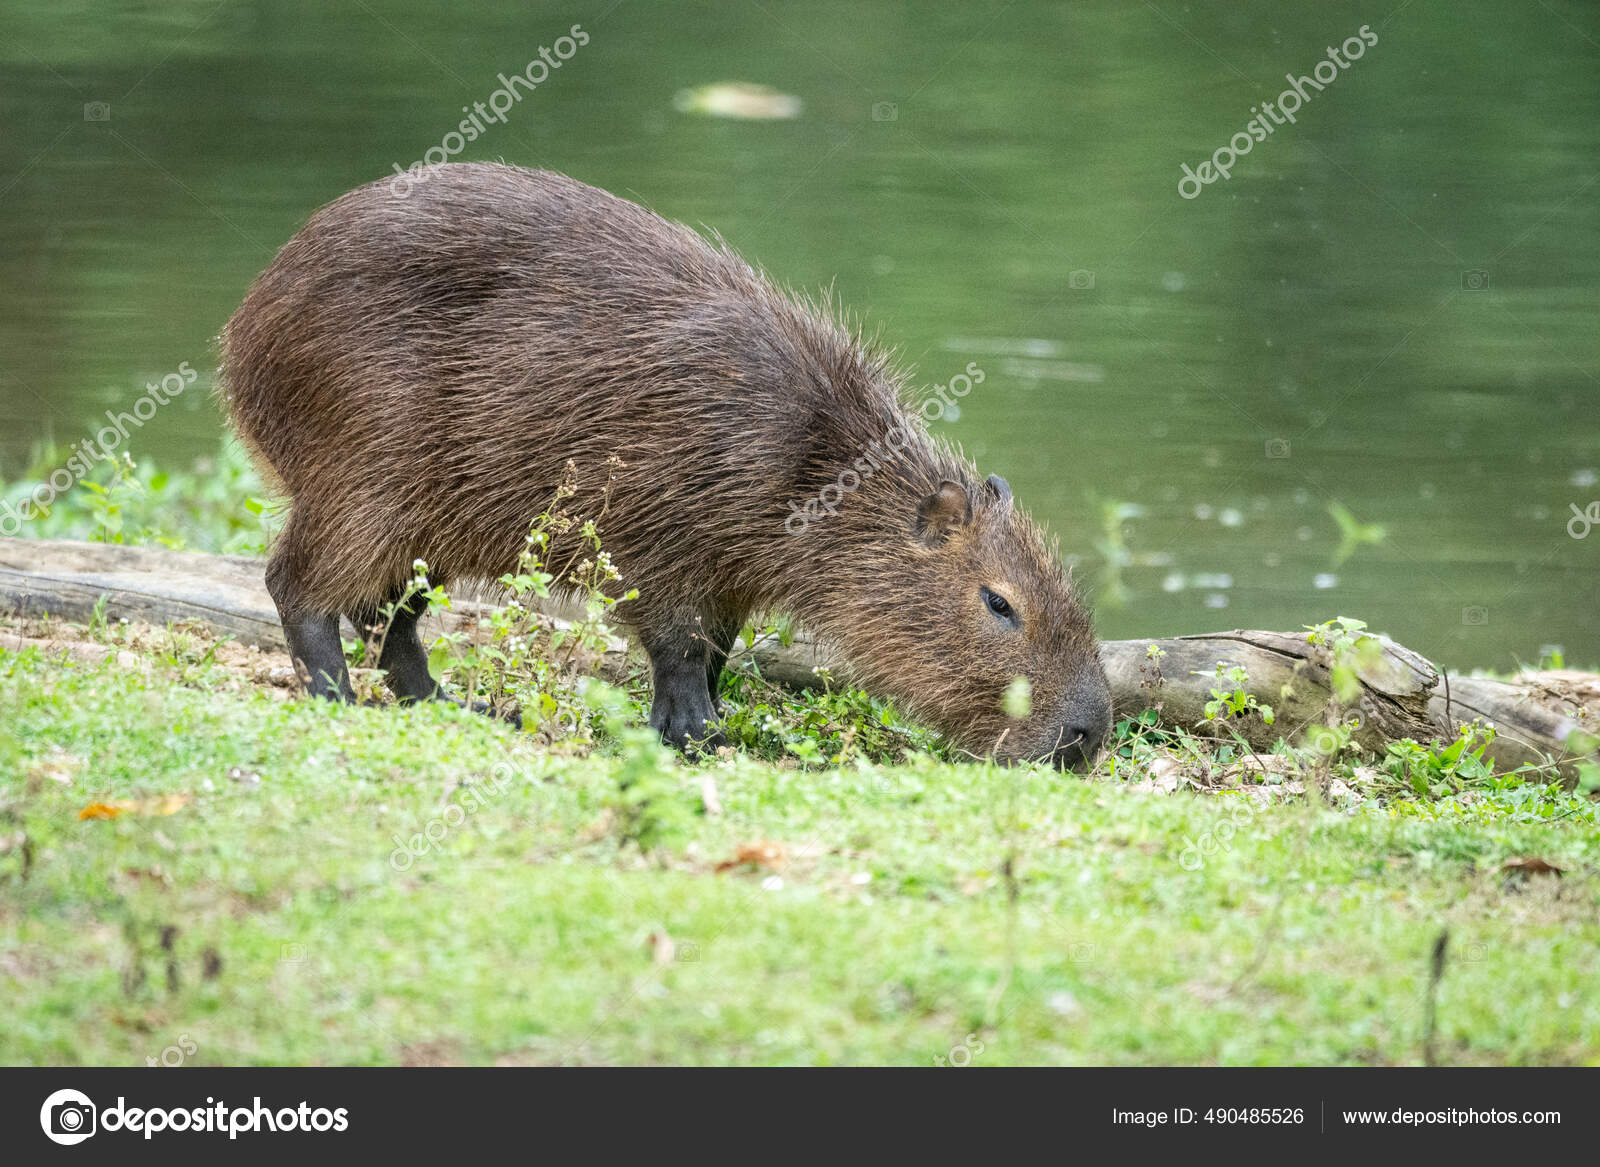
[
  {"x": 942, "y": 512},
  {"x": 1000, "y": 488}
]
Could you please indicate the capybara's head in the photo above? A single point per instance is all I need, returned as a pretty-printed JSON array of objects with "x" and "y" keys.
[{"x": 981, "y": 599}]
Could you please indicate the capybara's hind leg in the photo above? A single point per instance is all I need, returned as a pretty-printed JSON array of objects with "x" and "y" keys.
[
  {"x": 318, "y": 655},
  {"x": 399, "y": 647},
  {"x": 682, "y": 711},
  {"x": 403, "y": 658},
  {"x": 313, "y": 636}
]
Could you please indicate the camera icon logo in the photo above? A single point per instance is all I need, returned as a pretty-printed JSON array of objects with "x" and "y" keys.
[
  {"x": 885, "y": 111},
  {"x": 1476, "y": 280},
  {"x": 1474, "y": 616},
  {"x": 68, "y": 1117},
  {"x": 292, "y": 952},
  {"x": 1081, "y": 280},
  {"x": 96, "y": 111},
  {"x": 1277, "y": 447},
  {"x": 688, "y": 952}
]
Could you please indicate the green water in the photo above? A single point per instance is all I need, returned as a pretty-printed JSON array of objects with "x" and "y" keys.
[{"x": 1315, "y": 305}]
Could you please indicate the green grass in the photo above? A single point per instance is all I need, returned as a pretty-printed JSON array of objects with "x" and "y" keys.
[{"x": 262, "y": 921}]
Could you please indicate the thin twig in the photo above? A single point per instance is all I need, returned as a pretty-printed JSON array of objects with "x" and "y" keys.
[{"x": 1435, "y": 975}]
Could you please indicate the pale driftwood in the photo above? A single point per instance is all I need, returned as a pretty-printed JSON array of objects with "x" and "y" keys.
[
  {"x": 1285, "y": 672},
  {"x": 66, "y": 580},
  {"x": 1555, "y": 714}
]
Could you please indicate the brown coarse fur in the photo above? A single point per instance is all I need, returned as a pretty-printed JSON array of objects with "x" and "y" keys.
[{"x": 418, "y": 371}]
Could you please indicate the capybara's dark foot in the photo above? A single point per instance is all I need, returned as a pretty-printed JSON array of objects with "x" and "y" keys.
[
  {"x": 510, "y": 717},
  {"x": 688, "y": 732},
  {"x": 683, "y": 712}
]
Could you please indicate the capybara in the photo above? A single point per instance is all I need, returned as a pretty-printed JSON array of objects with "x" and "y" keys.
[{"x": 418, "y": 366}]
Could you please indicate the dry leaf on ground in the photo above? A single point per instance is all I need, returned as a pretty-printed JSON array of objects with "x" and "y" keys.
[
  {"x": 117, "y": 807},
  {"x": 762, "y": 853}
]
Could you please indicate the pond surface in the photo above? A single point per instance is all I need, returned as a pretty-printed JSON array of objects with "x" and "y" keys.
[{"x": 1389, "y": 303}]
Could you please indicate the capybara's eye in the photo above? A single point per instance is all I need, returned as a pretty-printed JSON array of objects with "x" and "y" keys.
[{"x": 998, "y": 605}]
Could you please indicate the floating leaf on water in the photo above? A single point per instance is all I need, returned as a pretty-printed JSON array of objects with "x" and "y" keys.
[
  {"x": 737, "y": 99},
  {"x": 1352, "y": 532}
]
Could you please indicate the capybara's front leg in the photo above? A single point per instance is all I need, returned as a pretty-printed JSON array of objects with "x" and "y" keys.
[{"x": 682, "y": 712}]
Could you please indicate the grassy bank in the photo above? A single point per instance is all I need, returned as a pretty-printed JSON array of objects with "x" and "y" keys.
[{"x": 192, "y": 858}]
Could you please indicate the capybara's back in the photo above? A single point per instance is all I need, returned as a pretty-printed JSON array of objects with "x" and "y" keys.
[{"x": 422, "y": 372}]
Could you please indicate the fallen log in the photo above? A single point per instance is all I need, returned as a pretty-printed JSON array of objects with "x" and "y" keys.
[{"x": 1537, "y": 715}]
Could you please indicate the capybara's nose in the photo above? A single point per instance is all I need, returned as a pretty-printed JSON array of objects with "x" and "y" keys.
[
  {"x": 1087, "y": 725},
  {"x": 1080, "y": 745}
]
